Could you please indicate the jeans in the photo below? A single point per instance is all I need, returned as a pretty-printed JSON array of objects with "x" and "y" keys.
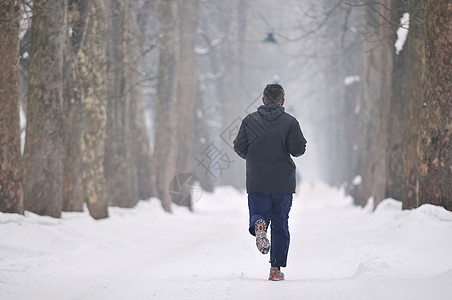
[{"x": 274, "y": 209}]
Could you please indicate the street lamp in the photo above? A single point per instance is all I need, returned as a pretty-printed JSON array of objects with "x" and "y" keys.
[{"x": 270, "y": 38}]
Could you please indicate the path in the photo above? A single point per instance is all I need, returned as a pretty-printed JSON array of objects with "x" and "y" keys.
[{"x": 338, "y": 251}]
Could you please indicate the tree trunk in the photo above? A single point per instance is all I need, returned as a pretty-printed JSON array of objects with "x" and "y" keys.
[
  {"x": 72, "y": 161},
  {"x": 187, "y": 85},
  {"x": 228, "y": 170},
  {"x": 44, "y": 146},
  {"x": 119, "y": 166},
  {"x": 413, "y": 92},
  {"x": 378, "y": 68},
  {"x": 395, "y": 177},
  {"x": 386, "y": 52},
  {"x": 91, "y": 63},
  {"x": 11, "y": 172},
  {"x": 435, "y": 178},
  {"x": 140, "y": 141},
  {"x": 72, "y": 180},
  {"x": 208, "y": 98},
  {"x": 369, "y": 107},
  {"x": 165, "y": 152},
  {"x": 186, "y": 92}
]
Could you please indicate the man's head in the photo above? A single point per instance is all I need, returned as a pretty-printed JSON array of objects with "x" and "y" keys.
[{"x": 273, "y": 94}]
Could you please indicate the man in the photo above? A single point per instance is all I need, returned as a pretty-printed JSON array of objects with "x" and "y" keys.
[{"x": 266, "y": 140}]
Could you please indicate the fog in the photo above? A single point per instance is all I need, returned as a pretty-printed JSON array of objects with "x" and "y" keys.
[{"x": 312, "y": 48}]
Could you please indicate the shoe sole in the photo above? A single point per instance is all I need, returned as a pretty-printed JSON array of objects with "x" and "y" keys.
[
  {"x": 275, "y": 279},
  {"x": 262, "y": 242}
]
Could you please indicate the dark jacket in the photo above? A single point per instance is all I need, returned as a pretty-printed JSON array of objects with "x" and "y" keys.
[{"x": 266, "y": 139}]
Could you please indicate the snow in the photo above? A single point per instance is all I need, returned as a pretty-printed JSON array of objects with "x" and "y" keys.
[
  {"x": 215, "y": 42},
  {"x": 357, "y": 108},
  {"x": 201, "y": 50},
  {"x": 402, "y": 32},
  {"x": 338, "y": 251},
  {"x": 23, "y": 125},
  {"x": 357, "y": 180},
  {"x": 348, "y": 80},
  {"x": 199, "y": 113}
]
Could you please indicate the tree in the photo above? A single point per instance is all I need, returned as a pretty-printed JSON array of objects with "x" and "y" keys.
[
  {"x": 378, "y": 67},
  {"x": 119, "y": 165},
  {"x": 165, "y": 151},
  {"x": 140, "y": 147},
  {"x": 92, "y": 74},
  {"x": 415, "y": 93},
  {"x": 11, "y": 172},
  {"x": 72, "y": 160},
  {"x": 44, "y": 146},
  {"x": 397, "y": 121},
  {"x": 234, "y": 79},
  {"x": 212, "y": 23},
  {"x": 385, "y": 66},
  {"x": 435, "y": 148},
  {"x": 409, "y": 89},
  {"x": 187, "y": 85},
  {"x": 342, "y": 90}
]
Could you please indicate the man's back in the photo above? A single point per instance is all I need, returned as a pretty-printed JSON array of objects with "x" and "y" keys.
[{"x": 266, "y": 140}]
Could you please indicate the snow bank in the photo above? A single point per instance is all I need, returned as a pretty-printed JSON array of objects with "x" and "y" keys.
[{"x": 338, "y": 251}]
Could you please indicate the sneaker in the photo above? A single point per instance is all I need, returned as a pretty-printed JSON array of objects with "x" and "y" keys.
[
  {"x": 262, "y": 242},
  {"x": 276, "y": 275}
]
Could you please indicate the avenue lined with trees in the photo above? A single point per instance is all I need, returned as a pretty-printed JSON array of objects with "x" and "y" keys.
[{"x": 120, "y": 96}]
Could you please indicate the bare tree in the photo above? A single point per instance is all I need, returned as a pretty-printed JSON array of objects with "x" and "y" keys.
[
  {"x": 187, "y": 85},
  {"x": 165, "y": 151},
  {"x": 92, "y": 74},
  {"x": 414, "y": 70},
  {"x": 212, "y": 24},
  {"x": 376, "y": 102},
  {"x": 385, "y": 67},
  {"x": 11, "y": 172},
  {"x": 435, "y": 146},
  {"x": 406, "y": 107},
  {"x": 119, "y": 164},
  {"x": 396, "y": 118},
  {"x": 72, "y": 161},
  {"x": 408, "y": 158},
  {"x": 234, "y": 80},
  {"x": 44, "y": 146},
  {"x": 140, "y": 146}
]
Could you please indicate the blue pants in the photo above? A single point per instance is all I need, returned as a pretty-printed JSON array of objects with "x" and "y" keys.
[{"x": 274, "y": 209}]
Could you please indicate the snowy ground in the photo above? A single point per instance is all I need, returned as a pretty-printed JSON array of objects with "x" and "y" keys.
[{"x": 338, "y": 251}]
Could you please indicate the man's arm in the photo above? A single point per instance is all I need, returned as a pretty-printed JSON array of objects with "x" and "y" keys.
[
  {"x": 296, "y": 143},
  {"x": 241, "y": 142}
]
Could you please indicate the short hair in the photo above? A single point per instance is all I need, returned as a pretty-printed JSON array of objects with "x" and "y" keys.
[{"x": 273, "y": 94}]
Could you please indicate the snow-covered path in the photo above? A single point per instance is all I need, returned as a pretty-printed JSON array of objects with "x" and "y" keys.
[{"x": 338, "y": 251}]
